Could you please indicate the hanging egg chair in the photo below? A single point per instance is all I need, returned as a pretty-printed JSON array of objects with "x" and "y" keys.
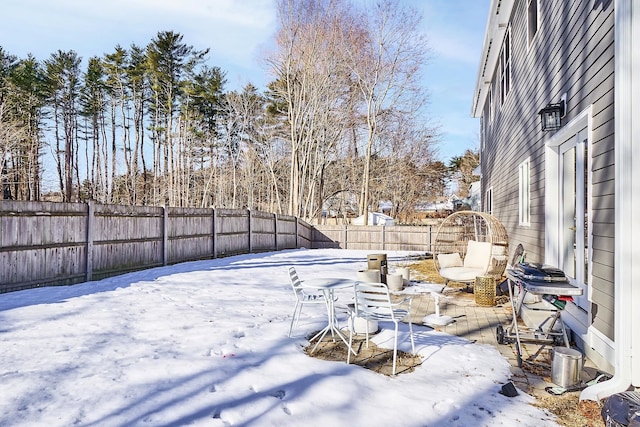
[{"x": 469, "y": 244}]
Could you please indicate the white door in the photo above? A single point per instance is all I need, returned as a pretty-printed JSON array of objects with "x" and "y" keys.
[{"x": 574, "y": 221}]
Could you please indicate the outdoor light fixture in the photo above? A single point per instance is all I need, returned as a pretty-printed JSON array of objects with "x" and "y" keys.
[{"x": 550, "y": 116}]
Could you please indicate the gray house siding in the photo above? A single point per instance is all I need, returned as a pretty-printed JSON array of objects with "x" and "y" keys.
[{"x": 572, "y": 53}]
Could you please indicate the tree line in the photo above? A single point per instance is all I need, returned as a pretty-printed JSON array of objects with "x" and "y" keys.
[{"x": 340, "y": 127}]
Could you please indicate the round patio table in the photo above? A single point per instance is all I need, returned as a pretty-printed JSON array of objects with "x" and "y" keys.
[{"x": 327, "y": 285}]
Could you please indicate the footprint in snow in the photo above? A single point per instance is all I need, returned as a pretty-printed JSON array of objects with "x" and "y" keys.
[
  {"x": 278, "y": 394},
  {"x": 443, "y": 407}
]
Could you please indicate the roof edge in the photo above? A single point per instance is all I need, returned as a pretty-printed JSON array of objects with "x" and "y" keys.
[{"x": 497, "y": 24}]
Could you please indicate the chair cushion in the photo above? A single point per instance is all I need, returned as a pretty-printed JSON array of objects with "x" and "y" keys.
[
  {"x": 478, "y": 255},
  {"x": 449, "y": 260},
  {"x": 461, "y": 274}
]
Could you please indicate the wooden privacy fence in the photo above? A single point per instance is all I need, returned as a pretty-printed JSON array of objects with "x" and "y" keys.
[
  {"x": 374, "y": 237},
  {"x": 46, "y": 243}
]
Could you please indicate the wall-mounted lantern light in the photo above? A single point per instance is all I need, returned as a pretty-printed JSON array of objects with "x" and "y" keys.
[{"x": 551, "y": 115}]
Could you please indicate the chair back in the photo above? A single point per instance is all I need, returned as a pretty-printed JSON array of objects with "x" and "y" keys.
[
  {"x": 458, "y": 229},
  {"x": 478, "y": 255},
  {"x": 372, "y": 301},
  {"x": 295, "y": 282}
]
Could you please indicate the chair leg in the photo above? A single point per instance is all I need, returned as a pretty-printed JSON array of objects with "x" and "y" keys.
[
  {"x": 446, "y": 282},
  {"x": 413, "y": 345},
  {"x": 395, "y": 348},
  {"x": 296, "y": 316},
  {"x": 367, "y": 332},
  {"x": 351, "y": 324}
]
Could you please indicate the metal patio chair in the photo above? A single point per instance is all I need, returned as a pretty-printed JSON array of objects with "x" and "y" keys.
[
  {"x": 303, "y": 296},
  {"x": 373, "y": 302}
]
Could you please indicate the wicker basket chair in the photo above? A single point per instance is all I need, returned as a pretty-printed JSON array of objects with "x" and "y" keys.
[{"x": 452, "y": 244}]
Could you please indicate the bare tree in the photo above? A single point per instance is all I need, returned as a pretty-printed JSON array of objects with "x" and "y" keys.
[
  {"x": 387, "y": 53},
  {"x": 246, "y": 109},
  {"x": 399, "y": 180},
  {"x": 310, "y": 82}
]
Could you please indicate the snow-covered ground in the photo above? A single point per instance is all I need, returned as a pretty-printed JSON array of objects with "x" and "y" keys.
[{"x": 205, "y": 343}]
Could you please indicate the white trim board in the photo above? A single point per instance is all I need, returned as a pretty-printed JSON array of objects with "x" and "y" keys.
[{"x": 576, "y": 319}]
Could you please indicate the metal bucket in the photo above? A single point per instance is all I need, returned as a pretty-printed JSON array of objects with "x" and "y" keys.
[{"x": 566, "y": 366}]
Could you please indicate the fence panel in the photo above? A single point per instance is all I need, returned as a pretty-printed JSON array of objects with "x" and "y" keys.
[
  {"x": 409, "y": 238},
  {"x": 288, "y": 232},
  {"x": 41, "y": 243},
  {"x": 329, "y": 237},
  {"x": 263, "y": 232},
  {"x": 126, "y": 238},
  {"x": 190, "y": 234},
  {"x": 374, "y": 237},
  {"x": 232, "y": 232}
]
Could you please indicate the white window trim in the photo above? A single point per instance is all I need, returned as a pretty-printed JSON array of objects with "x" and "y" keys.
[
  {"x": 524, "y": 193},
  {"x": 579, "y": 324},
  {"x": 483, "y": 133},
  {"x": 502, "y": 67},
  {"x": 492, "y": 102},
  {"x": 538, "y": 22},
  {"x": 488, "y": 201}
]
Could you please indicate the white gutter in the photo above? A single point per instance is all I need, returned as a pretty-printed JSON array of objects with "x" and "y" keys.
[{"x": 627, "y": 203}]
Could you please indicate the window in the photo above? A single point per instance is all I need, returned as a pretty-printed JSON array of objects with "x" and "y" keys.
[
  {"x": 524, "y": 205},
  {"x": 488, "y": 201},
  {"x": 533, "y": 20},
  {"x": 491, "y": 102},
  {"x": 505, "y": 67}
]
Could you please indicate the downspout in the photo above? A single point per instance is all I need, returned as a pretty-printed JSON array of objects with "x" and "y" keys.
[{"x": 626, "y": 231}]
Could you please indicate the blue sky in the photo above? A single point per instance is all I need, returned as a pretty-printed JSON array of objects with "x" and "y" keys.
[{"x": 237, "y": 31}]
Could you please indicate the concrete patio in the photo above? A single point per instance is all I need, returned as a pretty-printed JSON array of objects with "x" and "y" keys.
[
  {"x": 478, "y": 324},
  {"x": 471, "y": 321}
]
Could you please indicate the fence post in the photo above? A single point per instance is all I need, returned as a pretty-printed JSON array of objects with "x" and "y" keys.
[
  {"x": 89, "y": 247},
  {"x": 430, "y": 239},
  {"x": 275, "y": 230},
  {"x": 214, "y": 233},
  {"x": 297, "y": 234},
  {"x": 165, "y": 233},
  {"x": 250, "y": 233},
  {"x": 345, "y": 236},
  {"x": 382, "y": 232}
]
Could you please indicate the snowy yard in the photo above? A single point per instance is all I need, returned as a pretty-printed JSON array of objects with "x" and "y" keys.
[{"x": 205, "y": 343}]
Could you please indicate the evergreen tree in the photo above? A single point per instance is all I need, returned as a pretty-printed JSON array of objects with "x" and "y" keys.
[{"x": 63, "y": 82}]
